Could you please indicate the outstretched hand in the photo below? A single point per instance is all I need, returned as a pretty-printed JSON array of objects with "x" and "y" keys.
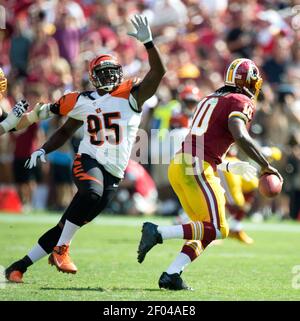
[{"x": 143, "y": 31}]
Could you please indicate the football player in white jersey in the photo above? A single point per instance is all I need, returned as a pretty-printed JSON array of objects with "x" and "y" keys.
[{"x": 110, "y": 115}]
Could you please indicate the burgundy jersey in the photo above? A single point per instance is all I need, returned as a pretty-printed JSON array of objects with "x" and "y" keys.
[{"x": 209, "y": 137}]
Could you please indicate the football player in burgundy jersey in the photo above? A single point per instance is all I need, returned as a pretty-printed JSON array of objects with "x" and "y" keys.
[{"x": 220, "y": 119}]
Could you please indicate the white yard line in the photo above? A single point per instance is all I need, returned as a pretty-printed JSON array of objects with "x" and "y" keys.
[
  {"x": 103, "y": 220},
  {"x": 137, "y": 222}
]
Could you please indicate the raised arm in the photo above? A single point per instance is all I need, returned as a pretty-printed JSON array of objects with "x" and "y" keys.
[
  {"x": 58, "y": 139},
  {"x": 242, "y": 138},
  {"x": 150, "y": 83}
]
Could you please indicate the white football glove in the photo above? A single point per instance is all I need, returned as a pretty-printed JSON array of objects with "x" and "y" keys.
[
  {"x": 40, "y": 111},
  {"x": 143, "y": 31},
  {"x": 20, "y": 108},
  {"x": 14, "y": 116},
  {"x": 43, "y": 111},
  {"x": 35, "y": 156},
  {"x": 244, "y": 169}
]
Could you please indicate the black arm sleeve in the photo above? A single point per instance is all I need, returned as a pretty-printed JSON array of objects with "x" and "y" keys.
[{"x": 3, "y": 116}]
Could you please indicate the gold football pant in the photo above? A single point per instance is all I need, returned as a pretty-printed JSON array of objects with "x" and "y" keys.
[{"x": 200, "y": 194}]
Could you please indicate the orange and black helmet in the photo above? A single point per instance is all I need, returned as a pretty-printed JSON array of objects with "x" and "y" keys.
[
  {"x": 190, "y": 93},
  {"x": 105, "y": 72},
  {"x": 189, "y": 96}
]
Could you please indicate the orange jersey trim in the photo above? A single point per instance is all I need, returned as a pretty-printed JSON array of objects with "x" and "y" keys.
[
  {"x": 123, "y": 90},
  {"x": 67, "y": 103}
]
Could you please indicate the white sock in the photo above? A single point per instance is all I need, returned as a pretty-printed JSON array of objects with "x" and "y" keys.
[
  {"x": 178, "y": 265},
  {"x": 67, "y": 234},
  {"x": 37, "y": 253},
  {"x": 171, "y": 232}
]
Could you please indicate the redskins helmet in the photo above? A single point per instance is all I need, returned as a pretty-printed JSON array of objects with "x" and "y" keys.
[
  {"x": 3, "y": 81},
  {"x": 244, "y": 75},
  {"x": 105, "y": 72}
]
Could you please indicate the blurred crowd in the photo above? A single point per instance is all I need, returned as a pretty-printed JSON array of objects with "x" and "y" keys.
[{"x": 46, "y": 47}]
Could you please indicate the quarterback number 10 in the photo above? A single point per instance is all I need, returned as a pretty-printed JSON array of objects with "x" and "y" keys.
[
  {"x": 202, "y": 116},
  {"x": 97, "y": 134}
]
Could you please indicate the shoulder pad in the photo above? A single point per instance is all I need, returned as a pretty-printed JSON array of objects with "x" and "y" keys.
[
  {"x": 87, "y": 94},
  {"x": 123, "y": 90},
  {"x": 65, "y": 104}
]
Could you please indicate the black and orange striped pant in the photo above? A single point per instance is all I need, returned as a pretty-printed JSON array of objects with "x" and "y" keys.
[{"x": 96, "y": 187}]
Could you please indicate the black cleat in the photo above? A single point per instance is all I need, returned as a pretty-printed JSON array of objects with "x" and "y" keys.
[
  {"x": 150, "y": 237},
  {"x": 172, "y": 282}
]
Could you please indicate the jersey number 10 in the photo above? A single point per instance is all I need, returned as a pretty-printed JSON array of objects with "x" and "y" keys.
[
  {"x": 97, "y": 134},
  {"x": 202, "y": 116}
]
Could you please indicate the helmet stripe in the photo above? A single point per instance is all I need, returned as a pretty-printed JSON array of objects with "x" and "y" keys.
[
  {"x": 231, "y": 71},
  {"x": 237, "y": 67},
  {"x": 228, "y": 75}
]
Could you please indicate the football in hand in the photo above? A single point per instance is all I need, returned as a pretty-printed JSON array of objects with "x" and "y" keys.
[{"x": 270, "y": 185}]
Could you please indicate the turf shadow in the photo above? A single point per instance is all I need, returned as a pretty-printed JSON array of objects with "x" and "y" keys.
[
  {"x": 96, "y": 289},
  {"x": 72, "y": 289},
  {"x": 135, "y": 289}
]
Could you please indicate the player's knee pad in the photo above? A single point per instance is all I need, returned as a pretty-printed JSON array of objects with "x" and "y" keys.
[
  {"x": 89, "y": 198},
  {"x": 93, "y": 196},
  {"x": 96, "y": 201},
  {"x": 85, "y": 209}
]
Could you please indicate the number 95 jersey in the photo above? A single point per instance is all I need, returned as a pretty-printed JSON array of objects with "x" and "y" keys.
[
  {"x": 209, "y": 137},
  {"x": 110, "y": 124}
]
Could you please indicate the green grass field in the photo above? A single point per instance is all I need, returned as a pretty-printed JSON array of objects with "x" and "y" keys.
[{"x": 105, "y": 253}]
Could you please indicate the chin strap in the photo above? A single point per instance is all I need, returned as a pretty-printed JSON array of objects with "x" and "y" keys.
[
  {"x": 107, "y": 88},
  {"x": 249, "y": 92}
]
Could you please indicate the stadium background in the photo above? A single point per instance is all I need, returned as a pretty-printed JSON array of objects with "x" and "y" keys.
[{"x": 46, "y": 47}]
